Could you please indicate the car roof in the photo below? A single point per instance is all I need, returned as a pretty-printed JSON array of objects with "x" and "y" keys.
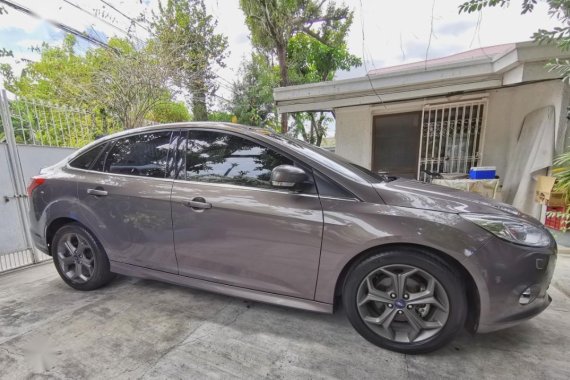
[
  {"x": 195, "y": 124},
  {"x": 222, "y": 126}
]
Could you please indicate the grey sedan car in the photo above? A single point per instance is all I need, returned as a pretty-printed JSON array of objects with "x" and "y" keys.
[{"x": 250, "y": 213}]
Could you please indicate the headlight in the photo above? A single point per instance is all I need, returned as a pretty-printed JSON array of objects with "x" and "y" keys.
[{"x": 512, "y": 229}]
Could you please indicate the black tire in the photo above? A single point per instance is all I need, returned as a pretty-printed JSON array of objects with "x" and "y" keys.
[
  {"x": 426, "y": 262},
  {"x": 100, "y": 275}
]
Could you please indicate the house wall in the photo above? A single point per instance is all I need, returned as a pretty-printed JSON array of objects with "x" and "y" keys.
[
  {"x": 507, "y": 108},
  {"x": 354, "y": 134}
]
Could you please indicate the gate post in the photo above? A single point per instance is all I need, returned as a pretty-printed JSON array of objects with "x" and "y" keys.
[{"x": 16, "y": 171}]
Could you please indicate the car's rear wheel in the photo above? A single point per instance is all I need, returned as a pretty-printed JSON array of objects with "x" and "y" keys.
[
  {"x": 79, "y": 258},
  {"x": 406, "y": 300}
]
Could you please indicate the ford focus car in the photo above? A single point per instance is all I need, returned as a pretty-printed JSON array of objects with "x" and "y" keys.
[{"x": 250, "y": 213}]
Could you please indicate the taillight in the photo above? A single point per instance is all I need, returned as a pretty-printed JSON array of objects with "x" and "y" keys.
[{"x": 36, "y": 181}]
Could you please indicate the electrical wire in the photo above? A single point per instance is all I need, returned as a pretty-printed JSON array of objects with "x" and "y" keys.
[
  {"x": 101, "y": 19},
  {"x": 364, "y": 57},
  {"x": 61, "y": 26},
  {"x": 127, "y": 17}
]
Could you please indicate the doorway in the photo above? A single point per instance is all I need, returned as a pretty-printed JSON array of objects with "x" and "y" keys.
[{"x": 396, "y": 143}]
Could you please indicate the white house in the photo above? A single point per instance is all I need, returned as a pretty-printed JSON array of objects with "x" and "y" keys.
[{"x": 493, "y": 106}]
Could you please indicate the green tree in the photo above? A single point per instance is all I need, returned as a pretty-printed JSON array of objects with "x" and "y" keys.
[
  {"x": 169, "y": 111},
  {"x": 272, "y": 23},
  {"x": 186, "y": 37},
  {"x": 313, "y": 60},
  {"x": 559, "y": 35},
  {"x": 59, "y": 75},
  {"x": 252, "y": 98},
  {"x": 220, "y": 116},
  {"x": 121, "y": 83}
]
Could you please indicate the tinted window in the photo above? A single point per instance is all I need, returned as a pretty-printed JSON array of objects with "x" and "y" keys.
[
  {"x": 142, "y": 155},
  {"x": 330, "y": 160},
  {"x": 85, "y": 160},
  {"x": 223, "y": 158},
  {"x": 328, "y": 188},
  {"x": 177, "y": 158}
]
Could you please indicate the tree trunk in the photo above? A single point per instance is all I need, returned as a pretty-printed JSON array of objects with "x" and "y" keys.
[
  {"x": 321, "y": 131},
  {"x": 282, "y": 58},
  {"x": 312, "y": 130},
  {"x": 199, "y": 108}
]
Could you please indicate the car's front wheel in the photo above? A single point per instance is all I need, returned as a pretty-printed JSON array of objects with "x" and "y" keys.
[
  {"x": 79, "y": 258},
  {"x": 407, "y": 300}
]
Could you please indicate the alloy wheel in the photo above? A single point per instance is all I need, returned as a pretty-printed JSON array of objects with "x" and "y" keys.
[
  {"x": 75, "y": 257},
  {"x": 403, "y": 303}
]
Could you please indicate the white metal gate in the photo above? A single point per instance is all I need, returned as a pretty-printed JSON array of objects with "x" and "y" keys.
[
  {"x": 452, "y": 136},
  {"x": 34, "y": 131}
]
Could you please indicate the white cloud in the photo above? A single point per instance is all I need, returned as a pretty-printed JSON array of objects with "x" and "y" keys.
[
  {"x": 399, "y": 31},
  {"x": 17, "y": 20}
]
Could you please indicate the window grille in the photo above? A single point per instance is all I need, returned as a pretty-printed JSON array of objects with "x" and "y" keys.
[{"x": 451, "y": 139}]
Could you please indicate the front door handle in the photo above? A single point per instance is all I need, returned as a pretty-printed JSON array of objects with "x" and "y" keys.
[
  {"x": 99, "y": 192},
  {"x": 198, "y": 203}
]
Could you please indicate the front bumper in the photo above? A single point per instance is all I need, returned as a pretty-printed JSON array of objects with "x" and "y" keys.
[{"x": 504, "y": 272}]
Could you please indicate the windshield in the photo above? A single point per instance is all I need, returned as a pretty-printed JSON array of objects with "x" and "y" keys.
[{"x": 331, "y": 160}]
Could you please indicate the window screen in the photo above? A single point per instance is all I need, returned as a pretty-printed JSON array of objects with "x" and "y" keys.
[
  {"x": 223, "y": 158},
  {"x": 141, "y": 155},
  {"x": 85, "y": 160}
]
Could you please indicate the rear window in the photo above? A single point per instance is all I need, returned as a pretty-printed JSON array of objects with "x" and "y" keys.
[
  {"x": 144, "y": 155},
  {"x": 86, "y": 160}
]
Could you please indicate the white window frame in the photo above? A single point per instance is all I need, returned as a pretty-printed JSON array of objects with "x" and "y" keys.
[{"x": 431, "y": 159}]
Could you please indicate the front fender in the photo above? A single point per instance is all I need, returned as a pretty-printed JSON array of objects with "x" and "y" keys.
[{"x": 353, "y": 229}]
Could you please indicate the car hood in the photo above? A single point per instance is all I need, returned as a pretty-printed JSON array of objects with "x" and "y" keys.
[{"x": 419, "y": 195}]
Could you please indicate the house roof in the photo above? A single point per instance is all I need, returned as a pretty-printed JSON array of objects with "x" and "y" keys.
[
  {"x": 478, "y": 69},
  {"x": 489, "y": 52}
]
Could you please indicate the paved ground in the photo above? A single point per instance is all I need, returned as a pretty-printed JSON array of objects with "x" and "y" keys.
[{"x": 145, "y": 329}]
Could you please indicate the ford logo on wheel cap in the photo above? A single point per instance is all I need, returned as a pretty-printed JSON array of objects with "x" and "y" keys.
[{"x": 400, "y": 303}]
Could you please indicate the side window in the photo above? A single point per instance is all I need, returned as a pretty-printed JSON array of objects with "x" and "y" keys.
[
  {"x": 143, "y": 155},
  {"x": 224, "y": 158},
  {"x": 85, "y": 160},
  {"x": 177, "y": 158},
  {"x": 327, "y": 188}
]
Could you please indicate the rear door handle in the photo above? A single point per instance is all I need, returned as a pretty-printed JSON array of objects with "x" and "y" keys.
[
  {"x": 198, "y": 203},
  {"x": 97, "y": 192}
]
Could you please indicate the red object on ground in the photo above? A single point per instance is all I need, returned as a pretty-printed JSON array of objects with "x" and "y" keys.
[{"x": 555, "y": 222}]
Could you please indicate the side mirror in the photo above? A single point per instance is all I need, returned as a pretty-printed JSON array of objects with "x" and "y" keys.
[{"x": 287, "y": 176}]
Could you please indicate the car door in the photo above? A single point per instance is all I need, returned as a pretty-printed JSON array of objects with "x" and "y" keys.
[
  {"x": 232, "y": 227},
  {"x": 125, "y": 199}
]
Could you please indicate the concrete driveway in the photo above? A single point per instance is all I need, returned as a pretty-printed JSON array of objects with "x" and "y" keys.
[{"x": 145, "y": 329}]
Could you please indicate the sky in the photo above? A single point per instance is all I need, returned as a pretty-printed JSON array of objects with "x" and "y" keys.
[{"x": 384, "y": 32}]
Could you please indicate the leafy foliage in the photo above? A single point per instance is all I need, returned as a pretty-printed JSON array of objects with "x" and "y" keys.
[
  {"x": 562, "y": 172},
  {"x": 314, "y": 61},
  {"x": 252, "y": 99},
  {"x": 169, "y": 112},
  {"x": 309, "y": 41},
  {"x": 122, "y": 86},
  {"x": 187, "y": 41},
  {"x": 220, "y": 116},
  {"x": 477, "y": 5},
  {"x": 273, "y": 23}
]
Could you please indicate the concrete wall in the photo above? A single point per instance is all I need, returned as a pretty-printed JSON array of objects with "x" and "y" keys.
[
  {"x": 32, "y": 159},
  {"x": 506, "y": 111},
  {"x": 354, "y": 134}
]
